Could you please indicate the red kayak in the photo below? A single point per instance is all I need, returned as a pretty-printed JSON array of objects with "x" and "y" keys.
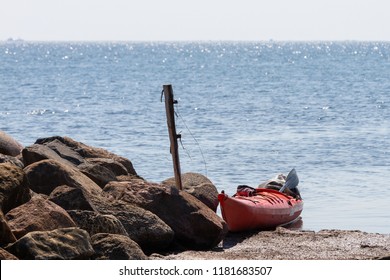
[{"x": 261, "y": 208}]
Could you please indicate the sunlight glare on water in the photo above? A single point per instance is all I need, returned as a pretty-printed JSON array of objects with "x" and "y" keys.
[{"x": 257, "y": 109}]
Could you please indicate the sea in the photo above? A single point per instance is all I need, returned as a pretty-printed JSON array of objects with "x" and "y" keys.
[{"x": 246, "y": 111}]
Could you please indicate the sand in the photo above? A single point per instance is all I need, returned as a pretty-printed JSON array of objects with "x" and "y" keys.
[{"x": 286, "y": 244}]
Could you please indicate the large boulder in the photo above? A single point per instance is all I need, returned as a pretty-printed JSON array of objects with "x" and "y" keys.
[
  {"x": 8, "y": 145},
  {"x": 84, "y": 151},
  {"x": 98, "y": 164},
  {"x": 97, "y": 173},
  {"x": 199, "y": 186},
  {"x": 206, "y": 193},
  {"x": 195, "y": 225},
  {"x": 6, "y": 235},
  {"x": 64, "y": 151},
  {"x": 94, "y": 222},
  {"x": 114, "y": 166},
  {"x": 60, "y": 244},
  {"x": 38, "y": 214},
  {"x": 189, "y": 179},
  {"x": 14, "y": 189},
  {"x": 142, "y": 226},
  {"x": 36, "y": 152},
  {"x": 71, "y": 198},
  {"x": 45, "y": 175},
  {"x": 116, "y": 247}
]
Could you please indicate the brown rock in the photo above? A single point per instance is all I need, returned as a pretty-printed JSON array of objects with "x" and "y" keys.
[
  {"x": 10, "y": 159},
  {"x": 189, "y": 179},
  {"x": 195, "y": 225},
  {"x": 199, "y": 186},
  {"x": 5, "y": 255},
  {"x": 6, "y": 235},
  {"x": 8, "y": 145},
  {"x": 144, "y": 227},
  {"x": 44, "y": 176},
  {"x": 123, "y": 178},
  {"x": 13, "y": 187},
  {"x": 38, "y": 214},
  {"x": 114, "y": 166},
  {"x": 206, "y": 193},
  {"x": 59, "y": 244},
  {"x": 71, "y": 198},
  {"x": 97, "y": 173},
  {"x": 94, "y": 222},
  {"x": 116, "y": 247}
]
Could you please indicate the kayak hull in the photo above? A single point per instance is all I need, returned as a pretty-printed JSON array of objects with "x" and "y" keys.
[{"x": 265, "y": 210}]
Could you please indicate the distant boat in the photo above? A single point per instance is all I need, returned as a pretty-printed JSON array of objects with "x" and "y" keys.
[{"x": 262, "y": 208}]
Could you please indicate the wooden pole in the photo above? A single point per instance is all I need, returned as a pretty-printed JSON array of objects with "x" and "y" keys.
[{"x": 169, "y": 101}]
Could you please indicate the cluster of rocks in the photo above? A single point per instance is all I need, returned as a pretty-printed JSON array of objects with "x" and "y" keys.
[{"x": 62, "y": 199}]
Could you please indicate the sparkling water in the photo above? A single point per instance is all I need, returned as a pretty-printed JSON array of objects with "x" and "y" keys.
[{"x": 246, "y": 112}]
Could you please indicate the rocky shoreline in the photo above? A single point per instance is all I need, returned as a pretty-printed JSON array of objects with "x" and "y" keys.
[{"x": 62, "y": 199}]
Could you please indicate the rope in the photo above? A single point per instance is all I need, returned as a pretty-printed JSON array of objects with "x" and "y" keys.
[{"x": 193, "y": 137}]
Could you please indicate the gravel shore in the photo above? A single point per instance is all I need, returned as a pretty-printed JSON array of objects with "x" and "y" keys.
[{"x": 285, "y": 244}]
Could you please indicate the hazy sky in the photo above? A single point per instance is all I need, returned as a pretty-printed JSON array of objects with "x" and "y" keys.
[{"x": 144, "y": 20}]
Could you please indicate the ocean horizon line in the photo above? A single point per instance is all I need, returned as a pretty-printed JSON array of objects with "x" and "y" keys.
[{"x": 20, "y": 40}]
